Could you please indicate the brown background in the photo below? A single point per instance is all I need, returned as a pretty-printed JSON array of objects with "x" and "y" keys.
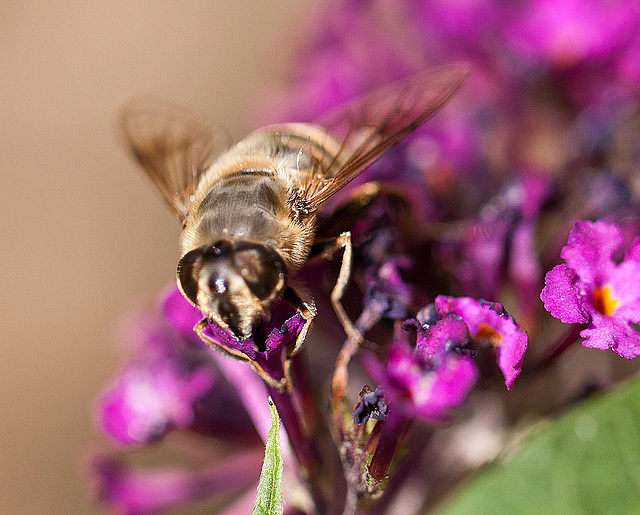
[{"x": 82, "y": 236}]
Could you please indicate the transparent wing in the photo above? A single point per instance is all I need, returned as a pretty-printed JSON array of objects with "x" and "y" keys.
[
  {"x": 173, "y": 146},
  {"x": 368, "y": 126}
]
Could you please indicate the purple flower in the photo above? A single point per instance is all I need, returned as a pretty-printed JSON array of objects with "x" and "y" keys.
[
  {"x": 140, "y": 491},
  {"x": 444, "y": 148},
  {"x": 268, "y": 358},
  {"x": 387, "y": 294},
  {"x": 147, "y": 400},
  {"x": 347, "y": 55},
  {"x": 173, "y": 383},
  {"x": 468, "y": 20},
  {"x": 437, "y": 336},
  {"x": 563, "y": 33},
  {"x": 502, "y": 239},
  {"x": 628, "y": 66},
  {"x": 480, "y": 269},
  {"x": 492, "y": 328},
  {"x": 524, "y": 266},
  {"x": 593, "y": 289},
  {"x": 162, "y": 387},
  {"x": 420, "y": 384},
  {"x": 179, "y": 313}
]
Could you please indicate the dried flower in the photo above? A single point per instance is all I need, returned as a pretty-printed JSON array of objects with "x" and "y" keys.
[{"x": 372, "y": 405}]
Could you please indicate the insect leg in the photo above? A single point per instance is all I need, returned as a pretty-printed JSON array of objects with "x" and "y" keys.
[
  {"x": 306, "y": 308},
  {"x": 326, "y": 248},
  {"x": 344, "y": 241}
]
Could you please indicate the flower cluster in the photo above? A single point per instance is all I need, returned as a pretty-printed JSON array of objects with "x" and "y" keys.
[
  {"x": 534, "y": 162},
  {"x": 427, "y": 380},
  {"x": 171, "y": 385}
]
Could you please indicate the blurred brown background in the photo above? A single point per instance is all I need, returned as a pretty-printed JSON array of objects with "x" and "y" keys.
[{"x": 83, "y": 236}]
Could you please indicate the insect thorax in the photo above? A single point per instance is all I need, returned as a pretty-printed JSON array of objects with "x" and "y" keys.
[{"x": 247, "y": 192}]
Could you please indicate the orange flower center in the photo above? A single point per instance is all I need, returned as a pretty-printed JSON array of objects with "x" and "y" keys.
[
  {"x": 603, "y": 301},
  {"x": 489, "y": 334}
]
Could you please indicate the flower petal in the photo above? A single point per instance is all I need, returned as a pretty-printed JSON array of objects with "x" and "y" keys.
[
  {"x": 435, "y": 396},
  {"x": 450, "y": 334},
  {"x": 625, "y": 290},
  {"x": 279, "y": 340},
  {"x": 607, "y": 333},
  {"x": 488, "y": 323},
  {"x": 562, "y": 296},
  {"x": 419, "y": 389},
  {"x": 143, "y": 491},
  {"x": 180, "y": 314},
  {"x": 590, "y": 249},
  {"x": 149, "y": 399}
]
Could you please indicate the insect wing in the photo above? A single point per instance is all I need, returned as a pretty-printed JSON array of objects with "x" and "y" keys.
[
  {"x": 370, "y": 125},
  {"x": 173, "y": 146}
]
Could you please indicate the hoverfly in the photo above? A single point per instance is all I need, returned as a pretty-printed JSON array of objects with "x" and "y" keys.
[{"x": 249, "y": 212}]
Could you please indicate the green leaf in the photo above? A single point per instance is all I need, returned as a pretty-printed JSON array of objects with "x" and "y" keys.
[
  {"x": 269, "y": 498},
  {"x": 588, "y": 461}
]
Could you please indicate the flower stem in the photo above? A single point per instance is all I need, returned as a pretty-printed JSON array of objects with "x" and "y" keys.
[
  {"x": 562, "y": 344},
  {"x": 340, "y": 379},
  {"x": 393, "y": 433}
]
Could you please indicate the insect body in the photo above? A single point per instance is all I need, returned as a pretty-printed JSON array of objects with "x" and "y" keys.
[
  {"x": 249, "y": 212},
  {"x": 249, "y": 230}
]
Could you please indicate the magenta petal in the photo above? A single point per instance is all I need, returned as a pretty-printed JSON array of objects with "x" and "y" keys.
[
  {"x": 279, "y": 340},
  {"x": 525, "y": 268},
  {"x": 607, "y": 333},
  {"x": 446, "y": 335},
  {"x": 141, "y": 491},
  {"x": 561, "y": 296},
  {"x": 480, "y": 269},
  {"x": 252, "y": 392},
  {"x": 147, "y": 336},
  {"x": 534, "y": 190},
  {"x": 180, "y": 314},
  {"x": 590, "y": 249},
  {"x": 592, "y": 289},
  {"x": 448, "y": 387},
  {"x": 489, "y": 321},
  {"x": 511, "y": 355},
  {"x": 149, "y": 399},
  {"x": 633, "y": 252},
  {"x": 569, "y": 32},
  {"x": 419, "y": 388},
  {"x": 625, "y": 288},
  {"x": 282, "y": 332}
]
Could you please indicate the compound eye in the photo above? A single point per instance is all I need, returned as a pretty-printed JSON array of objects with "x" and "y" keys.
[
  {"x": 188, "y": 271},
  {"x": 262, "y": 271}
]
